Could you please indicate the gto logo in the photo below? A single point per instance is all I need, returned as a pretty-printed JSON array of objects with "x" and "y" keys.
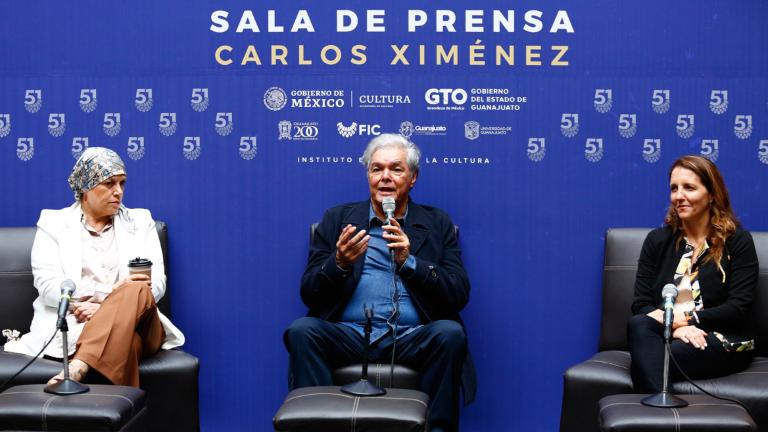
[{"x": 448, "y": 98}]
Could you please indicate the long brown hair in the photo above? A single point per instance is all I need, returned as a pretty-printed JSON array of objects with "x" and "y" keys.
[{"x": 722, "y": 221}]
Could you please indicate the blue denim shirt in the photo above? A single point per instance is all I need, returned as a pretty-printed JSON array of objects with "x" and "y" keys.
[{"x": 375, "y": 288}]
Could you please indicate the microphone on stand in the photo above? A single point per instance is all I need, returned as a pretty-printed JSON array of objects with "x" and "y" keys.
[
  {"x": 363, "y": 387},
  {"x": 665, "y": 399},
  {"x": 67, "y": 288},
  {"x": 669, "y": 294},
  {"x": 66, "y": 386},
  {"x": 388, "y": 205}
]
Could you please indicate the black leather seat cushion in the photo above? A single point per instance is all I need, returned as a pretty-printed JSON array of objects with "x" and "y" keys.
[
  {"x": 749, "y": 387},
  {"x": 327, "y": 409},
  {"x": 103, "y": 408},
  {"x": 379, "y": 374},
  {"x": 625, "y": 413}
]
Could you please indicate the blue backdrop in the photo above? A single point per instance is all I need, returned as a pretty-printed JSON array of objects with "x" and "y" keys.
[{"x": 534, "y": 162}]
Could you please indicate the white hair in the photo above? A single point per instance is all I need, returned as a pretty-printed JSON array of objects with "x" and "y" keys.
[{"x": 412, "y": 153}]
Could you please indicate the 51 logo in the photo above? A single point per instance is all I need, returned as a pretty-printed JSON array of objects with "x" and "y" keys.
[
  {"x": 569, "y": 124},
  {"x": 199, "y": 99},
  {"x": 57, "y": 124},
  {"x": 742, "y": 126},
  {"x": 33, "y": 100},
  {"x": 5, "y": 125},
  {"x": 627, "y": 125},
  {"x": 112, "y": 124},
  {"x": 191, "y": 147},
  {"x": 686, "y": 125},
  {"x": 79, "y": 144},
  {"x": 718, "y": 101},
  {"x": 224, "y": 123},
  {"x": 537, "y": 149},
  {"x": 88, "y": 100},
  {"x": 762, "y": 151},
  {"x": 136, "y": 147},
  {"x": 652, "y": 149},
  {"x": 25, "y": 148},
  {"x": 144, "y": 99},
  {"x": 167, "y": 124},
  {"x": 593, "y": 149},
  {"x": 660, "y": 101},
  {"x": 247, "y": 147},
  {"x": 710, "y": 149},
  {"x": 603, "y": 100}
]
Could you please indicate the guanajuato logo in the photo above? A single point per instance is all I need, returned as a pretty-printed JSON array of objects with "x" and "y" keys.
[{"x": 408, "y": 129}]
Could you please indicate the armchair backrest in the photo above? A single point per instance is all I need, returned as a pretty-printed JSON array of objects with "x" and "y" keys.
[
  {"x": 17, "y": 291},
  {"x": 622, "y": 250}
]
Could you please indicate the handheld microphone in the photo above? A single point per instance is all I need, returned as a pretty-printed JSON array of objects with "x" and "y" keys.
[
  {"x": 388, "y": 205},
  {"x": 67, "y": 288},
  {"x": 669, "y": 293}
]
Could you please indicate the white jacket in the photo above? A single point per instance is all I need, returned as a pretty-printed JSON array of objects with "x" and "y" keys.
[{"x": 56, "y": 256}]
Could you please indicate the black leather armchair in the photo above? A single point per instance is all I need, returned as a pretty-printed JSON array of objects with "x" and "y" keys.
[
  {"x": 607, "y": 372},
  {"x": 170, "y": 378}
]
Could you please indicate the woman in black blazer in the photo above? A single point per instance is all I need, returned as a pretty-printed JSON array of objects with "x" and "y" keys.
[{"x": 703, "y": 251}]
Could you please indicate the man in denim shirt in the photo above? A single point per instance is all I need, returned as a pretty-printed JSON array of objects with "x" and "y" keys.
[{"x": 416, "y": 312}]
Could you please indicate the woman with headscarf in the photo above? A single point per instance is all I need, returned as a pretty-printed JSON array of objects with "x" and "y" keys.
[{"x": 114, "y": 321}]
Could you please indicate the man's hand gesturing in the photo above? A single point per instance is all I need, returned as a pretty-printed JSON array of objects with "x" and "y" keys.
[{"x": 350, "y": 246}]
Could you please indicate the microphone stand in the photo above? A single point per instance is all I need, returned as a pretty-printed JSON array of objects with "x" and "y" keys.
[
  {"x": 67, "y": 386},
  {"x": 665, "y": 399},
  {"x": 363, "y": 387}
]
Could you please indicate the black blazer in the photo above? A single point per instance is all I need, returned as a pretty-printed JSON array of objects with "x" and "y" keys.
[
  {"x": 439, "y": 286},
  {"x": 727, "y": 305}
]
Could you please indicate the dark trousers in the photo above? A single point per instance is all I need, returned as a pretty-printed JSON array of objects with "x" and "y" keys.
[
  {"x": 437, "y": 350},
  {"x": 646, "y": 345}
]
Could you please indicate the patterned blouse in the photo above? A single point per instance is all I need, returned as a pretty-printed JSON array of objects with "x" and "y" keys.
[{"x": 689, "y": 299}]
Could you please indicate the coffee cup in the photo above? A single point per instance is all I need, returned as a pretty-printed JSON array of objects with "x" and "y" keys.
[{"x": 140, "y": 266}]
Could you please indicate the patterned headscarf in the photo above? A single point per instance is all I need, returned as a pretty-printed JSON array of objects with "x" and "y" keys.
[{"x": 94, "y": 166}]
